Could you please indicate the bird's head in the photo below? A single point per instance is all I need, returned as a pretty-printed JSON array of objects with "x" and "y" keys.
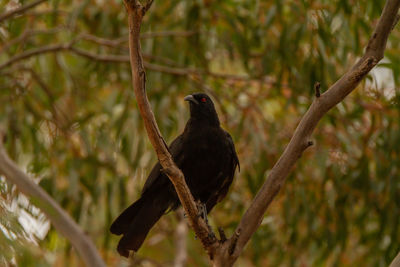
[{"x": 202, "y": 108}]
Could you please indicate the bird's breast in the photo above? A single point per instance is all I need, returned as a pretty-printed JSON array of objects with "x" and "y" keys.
[
  {"x": 206, "y": 144},
  {"x": 207, "y": 161}
]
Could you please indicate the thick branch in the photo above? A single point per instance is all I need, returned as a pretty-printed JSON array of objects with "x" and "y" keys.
[
  {"x": 58, "y": 217},
  {"x": 20, "y": 10},
  {"x": 135, "y": 15},
  {"x": 300, "y": 140}
]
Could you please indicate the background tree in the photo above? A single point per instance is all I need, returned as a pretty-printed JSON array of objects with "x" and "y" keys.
[{"x": 71, "y": 122}]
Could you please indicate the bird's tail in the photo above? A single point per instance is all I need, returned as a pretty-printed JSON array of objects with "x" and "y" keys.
[{"x": 135, "y": 222}]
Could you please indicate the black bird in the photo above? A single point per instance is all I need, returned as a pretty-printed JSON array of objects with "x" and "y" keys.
[{"x": 206, "y": 155}]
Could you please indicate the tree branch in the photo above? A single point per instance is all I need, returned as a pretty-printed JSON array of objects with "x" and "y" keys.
[
  {"x": 122, "y": 59},
  {"x": 396, "y": 261},
  {"x": 25, "y": 35},
  {"x": 136, "y": 13},
  {"x": 58, "y": 217},
  {"x": 34, "y": 52},
  {"x": 19, "y": 10},
  {"x": 300, "y": 140},
  {"x": 69, "y": 47}
]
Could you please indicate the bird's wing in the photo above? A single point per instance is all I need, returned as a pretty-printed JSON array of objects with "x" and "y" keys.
[
  {"x": 235, "y": 163},
  {"x": 227, "y": 177},
  {"x": 233, "y": 153},
  {"x": 176, "y": 151}
]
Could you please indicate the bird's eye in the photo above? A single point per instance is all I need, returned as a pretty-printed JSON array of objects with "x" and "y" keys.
[{"x": 203, "y": 100}]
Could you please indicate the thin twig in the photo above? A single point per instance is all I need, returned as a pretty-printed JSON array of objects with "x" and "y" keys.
[
  {"x": 222, "y": 236},
  {"x": 96, "y": 57},
  {"x": 233, "y": 241},
  {"x": 317, "y": 87},
  {"x": 147, "y": 6}
]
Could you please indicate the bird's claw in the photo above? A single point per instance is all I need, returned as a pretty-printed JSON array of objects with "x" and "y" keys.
[
  {"x": 202, "y": 208},
  {"x": 202, "y": 211}
]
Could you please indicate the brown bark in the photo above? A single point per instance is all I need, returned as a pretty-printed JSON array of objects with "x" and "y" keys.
[{"x": 396, "y": 261}]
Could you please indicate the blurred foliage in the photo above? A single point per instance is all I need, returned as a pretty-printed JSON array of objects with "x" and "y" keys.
[{"x": 72, "y": 123}]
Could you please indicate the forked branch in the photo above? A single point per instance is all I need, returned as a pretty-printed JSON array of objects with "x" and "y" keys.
[{"x": 226, "y": 253}]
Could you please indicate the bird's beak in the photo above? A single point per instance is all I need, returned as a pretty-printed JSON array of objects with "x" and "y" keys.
[{"x": 190, "y": 98}]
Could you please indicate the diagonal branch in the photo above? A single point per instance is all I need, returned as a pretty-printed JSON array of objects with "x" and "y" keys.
[
  {"x": 396, "y": 261},
  {"x": 58, "y": 217},
  {"x": 34, "y": 52},
  {"x": 20, "y": 10},
  {"x": 136, "y": 13},
  {"x": 300, "y": 140}
]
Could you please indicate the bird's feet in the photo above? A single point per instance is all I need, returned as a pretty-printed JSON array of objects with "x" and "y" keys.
[
  {"x": 202, "y": 210},
  {"x": 203, "y": 214}
]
